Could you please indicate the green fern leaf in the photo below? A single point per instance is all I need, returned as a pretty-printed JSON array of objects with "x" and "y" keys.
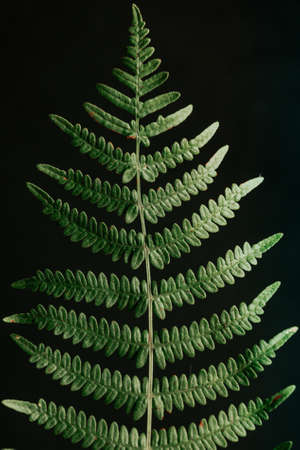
[
  {"x": 88, "y": 331},
  {"x": 115, "y": 159},
  {"x": 207, "y": 384},
  {"x": 117, "y": 98},
  {"x": 175, "y": 343},
  {"x": 102, "y": 195},
  {"x": 133, "y": 293},
  {"x": 155, "y": 81},
  {"x": 92, "y": 234},
  {"x": 169, "y": 158},
  {"x": 176, "y": 291},
  {"x": 149, "y": 68},
  {"x": 213, "y": 431},
  {"x": 125, "y": 78},
  {"x": 163, "y": 124},
  {"x": 130, "y": 391},
  {"x": 108, "y": 120},
  {"x": 105, "y": 153},
  {"x": 156, "y": 204},
  {"x": 162, "y": 247},
  {"x": 90, "y": 380},
  {"x": 99, "y": 289},
  {"x": 168, "y": 346},
  {"x": 179, "y": 239},
  {"x": 148, "y": 394},
  {"x": 159, "y": 102},
  {"x": 122, "y": 199}
]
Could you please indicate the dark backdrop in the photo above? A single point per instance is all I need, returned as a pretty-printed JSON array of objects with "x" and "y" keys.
[{"x": 237, "y": 62}]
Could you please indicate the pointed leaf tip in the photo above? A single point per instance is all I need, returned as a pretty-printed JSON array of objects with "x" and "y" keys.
[
  {"x": 268, "y": 243},
  {"x": 19, "y": 284},
  {"x": 215, "y": 161},
  {"x": 249, "y": 185},
  {"x": 201, "y": 139},
  {"x": 15, "y": 337},
  {"x": 281, "y": 338},
  {"x": 23, "y": 318},
  {"x": 262, "y": 299},
  {"x": 136, "y": 14},
  {"x": 42, "y": 167},
  {"x": 272, "y": 288},
  {"x": 6, "y": 319},
  {"x": 39, "y": 193},
  {"x": 9, "y": 319},
  {"x": 24, "y": 343},
  {"x": 278, "y": 398},
  {"x": 19, "y": 405}
]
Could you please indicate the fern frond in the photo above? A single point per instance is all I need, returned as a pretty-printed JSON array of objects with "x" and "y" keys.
[
  {"x": 108, "y": 120},
  {"x": 176, "y": 391},
  {"x": 114, "y": 159},
  {"x": 95, "y": 235},
  {"x": 178, "y": 240},
  {"x": 125, "y": 78},
  {"x": 208, "y": 383},
  {"x": 173, "y": 344},
  {"x": 169, "y": 158},
  {"x": 129, "y": 244},
  {"x": 210, "y": 432},
  {"x": 176, "y": 291},
  {"x": 99, "y": 289},
  {"x": 88, "y": 331},
  {"x": 101, "y": 194},
  {"x": 168, "y": 345},
  {"x": 165, "y": 345},
  {"x": 123, "y": 200},
  {"x": 157, "y": 203},
  {"x": 117, "y": 98},
  {"x": 90, "y": 380},
  {"x": 163, "y": 124},
  {"x": 132, "y": 293},
  {"x": 154, "y": 81},
  {"x": 155, "y": 104}
]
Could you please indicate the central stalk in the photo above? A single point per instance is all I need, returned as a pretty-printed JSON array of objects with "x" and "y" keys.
[
  {"x": 149, "y": 293},
  {"x": 145, "y": 247}
]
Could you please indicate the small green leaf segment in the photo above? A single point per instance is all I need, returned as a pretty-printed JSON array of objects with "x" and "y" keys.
[{"x": 147, "y": 395}]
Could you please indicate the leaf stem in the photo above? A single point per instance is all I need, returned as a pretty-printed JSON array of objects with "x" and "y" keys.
[
  {"x": 149, "y": 296},
  {"x": 147, "y": 263}
]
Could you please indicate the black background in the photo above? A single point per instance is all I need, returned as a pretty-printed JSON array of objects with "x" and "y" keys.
[{"x": 236, "y": 62}]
